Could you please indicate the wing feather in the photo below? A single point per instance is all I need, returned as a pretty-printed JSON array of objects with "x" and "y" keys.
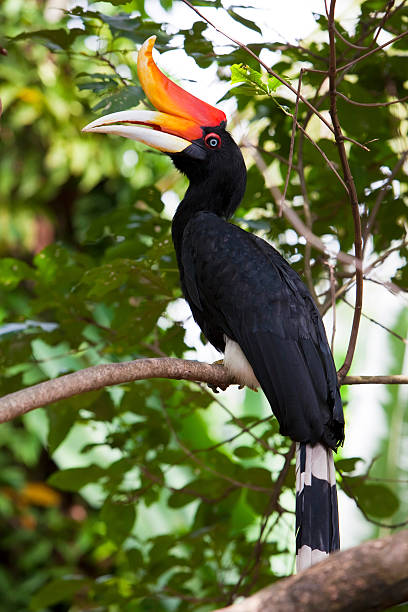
[{"x": 238, "y": 285}]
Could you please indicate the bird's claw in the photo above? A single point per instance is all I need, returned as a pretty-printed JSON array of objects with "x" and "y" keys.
[
  {"x": 217, "y": 388},
  {"x": 218, "y": 362},
  {"x": 213, "y": 388}
]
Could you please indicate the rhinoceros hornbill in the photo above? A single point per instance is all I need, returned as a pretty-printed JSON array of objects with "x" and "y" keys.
[{"x": 250, "y": 304}]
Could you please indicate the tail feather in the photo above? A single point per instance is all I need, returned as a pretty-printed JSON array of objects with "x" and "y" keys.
[{"x": 317, "y": 519}]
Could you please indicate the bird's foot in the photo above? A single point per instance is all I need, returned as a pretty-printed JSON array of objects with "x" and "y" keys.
[
  {"x": 217, "y": 388},
  {"x": 218, "y": 362}
]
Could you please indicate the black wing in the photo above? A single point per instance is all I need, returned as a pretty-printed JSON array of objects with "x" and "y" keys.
[{"x": 238, "y": 285}]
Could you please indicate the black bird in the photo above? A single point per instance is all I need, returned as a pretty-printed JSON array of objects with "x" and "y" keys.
[{"x": 250, "y": 304}]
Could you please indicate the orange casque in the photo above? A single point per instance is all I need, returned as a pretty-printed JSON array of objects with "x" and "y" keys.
[{"x": 171, "y": 99}]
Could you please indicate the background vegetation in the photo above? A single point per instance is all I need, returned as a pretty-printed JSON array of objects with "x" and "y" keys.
[{"x": 159, "y": 495}]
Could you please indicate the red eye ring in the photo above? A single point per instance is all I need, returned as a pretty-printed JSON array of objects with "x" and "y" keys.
[{"x": 212, "y": 141}]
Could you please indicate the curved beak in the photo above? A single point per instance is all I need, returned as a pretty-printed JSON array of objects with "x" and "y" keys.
[{"x": 179, "y": 116}]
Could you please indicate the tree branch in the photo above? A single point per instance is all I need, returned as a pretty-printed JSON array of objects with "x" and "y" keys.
[
  {"x": 392, "y": 379},
  {"x": 108, "y": 374},
  {"x": 105, "y": 375},
  {"x": 380, "y": 197},
  {"x": 261, "y": 63},
  {"x": 292, "y": 138},
  {"x": 348, "y": 177},
  {"x": 361, "y": 57},
  {"x": 297, "y": 222},
  {"x": 369, "y": 577},
  {"x": 372, "y": 104}
]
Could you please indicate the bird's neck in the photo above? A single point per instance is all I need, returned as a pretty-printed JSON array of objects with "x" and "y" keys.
[{"x": 203, "y": 196}]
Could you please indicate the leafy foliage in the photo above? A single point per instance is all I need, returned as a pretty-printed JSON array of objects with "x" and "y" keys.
[
  {"x": 256, "y": 83},
  {"x": 153, "y": 496}
]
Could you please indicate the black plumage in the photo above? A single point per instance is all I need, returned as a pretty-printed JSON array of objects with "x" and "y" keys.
[{"x": 239, "y": 286}]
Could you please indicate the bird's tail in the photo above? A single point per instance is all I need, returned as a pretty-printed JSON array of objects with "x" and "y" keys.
[{"x": 317, "y": 518}]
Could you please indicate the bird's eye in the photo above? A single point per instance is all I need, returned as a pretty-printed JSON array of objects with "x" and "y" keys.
[{"x": 212, "y": 141}]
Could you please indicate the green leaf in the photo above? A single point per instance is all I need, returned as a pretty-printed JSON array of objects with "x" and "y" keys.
[
  {"x": 99, "y": 82},
  {"x": 61, "y": 589},
  {"x": 376, "y": 499},
  {"x": 56, "y": 40},
  {"x": 375, "y": 5},
  {"x": 349, "y": 464},
  {"x": 73, "y": 479},
  {"x": 119, "y": 2},
  {"x": 210, "y": 3},
  {"x": 119, "y": 520},
  {"x": 13, "y": 271},
  {"x": 197, "y": 46},
  {"x": 239, "y": 73},
  {"x": 61, "y": 419},
  {"x": 54, "y": 360},
  {"x": 256, "y": 83},
  {"x": 243, "y": 21},
  {"x": 245, "y": 452},
  {"x": 179, "y": 499},
  {"x": 125, "y": 98}
]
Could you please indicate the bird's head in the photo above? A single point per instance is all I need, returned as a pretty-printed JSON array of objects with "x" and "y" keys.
[{"x": 191, "y": 131}]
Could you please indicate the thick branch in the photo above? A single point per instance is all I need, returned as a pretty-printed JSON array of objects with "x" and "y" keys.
[
  {"x": 372, "y": 576},
  {"x": 107, "y": 374}
]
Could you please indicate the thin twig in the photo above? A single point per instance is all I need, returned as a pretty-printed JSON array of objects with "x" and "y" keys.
[
  {"x": 348, "y": 42},
  {"x": 333, "y": 301},
  {"x": 272, "y": 505},
  {"x": 348, "y": 177},
  {"x": 365, "y": 55},
  {"x": 392, "y": 379},
  {"x": 323, "y": 308},
  {"x": 387, "y": 329},
  {"x": 292, "y": 141},
  {"x": 389, "y": 286},
  {"x": 384, "y": 256},
  {"x": 380, "y": 197},
  {"x": 187, "y": 490},
  {"x": 243, "y": 430},
  {"x": 306, "y": 201},
  {"x": 267, "y": 68},
  {"x": 383, "y": 20},
  {"x": 297, "y": 222},
  {"x": 287, "y": 45},
  {"x": 349, "y": 491},
  {"x": 371, "y": 104},
  {"x": 322, "y": 153},
  {"x": 237, "y": 420},
  {"x": 107, "y": 61},
  {"x": 205, "y": 466}
]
